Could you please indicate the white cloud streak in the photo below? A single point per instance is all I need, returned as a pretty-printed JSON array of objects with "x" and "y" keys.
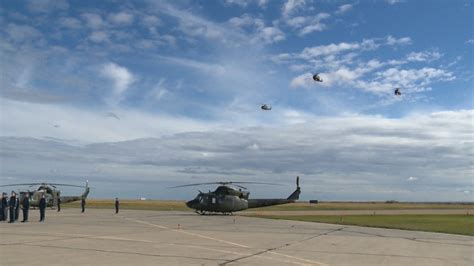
[{"x": 121, "y": 78}]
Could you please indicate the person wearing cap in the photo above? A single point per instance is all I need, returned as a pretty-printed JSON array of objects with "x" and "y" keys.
[
  {"x": 12, "y": 204},
  {"x": 42, "y": 207},
  {"x": 117, "y": 205},
  {"x": 25, "y": 204}
]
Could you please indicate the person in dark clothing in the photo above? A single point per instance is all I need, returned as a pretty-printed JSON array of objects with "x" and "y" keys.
[
  {"x": 42, "y": 207},
  {"x": 117, "y": 205},
  {"x": 12, "y": 205},
  {"x": 59, "y": 203},
  {"x": 1, "y": 208},
  {"x": 17, "y": 208},
  {"x": 4, "y": 207},
  {"x": 83, "y": 204},
  {"x": 26, "y": 207}
]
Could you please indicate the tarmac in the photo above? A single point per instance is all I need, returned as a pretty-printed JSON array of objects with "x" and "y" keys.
[{"x": 132, "y": 237}]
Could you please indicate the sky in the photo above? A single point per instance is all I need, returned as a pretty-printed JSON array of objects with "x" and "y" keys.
[{"x": 138, "y": 96}]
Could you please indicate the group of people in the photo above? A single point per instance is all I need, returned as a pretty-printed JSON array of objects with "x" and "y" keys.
[{"x": 10, "y": 207}]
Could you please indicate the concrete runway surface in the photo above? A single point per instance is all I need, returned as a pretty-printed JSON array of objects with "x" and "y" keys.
[{"x": 99, "y": 237}]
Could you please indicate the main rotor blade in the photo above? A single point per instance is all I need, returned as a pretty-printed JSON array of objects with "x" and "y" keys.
[
  {"x": 41, "y": 184},
  {"x": 24, "y": 184},
  {"x": 197, "y": 184},
  {"x": 259, "y": 183},
  {"x": 226, "y": 183},
  {"x": 64, "y": 185}
]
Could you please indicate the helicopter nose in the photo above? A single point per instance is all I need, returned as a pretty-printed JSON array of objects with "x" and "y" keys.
[{"x": 190, "y": 204}]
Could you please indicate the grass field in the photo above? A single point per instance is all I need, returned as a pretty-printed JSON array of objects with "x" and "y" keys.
[
  {"x": 452, "y": 224},
  {"x": 343, "y": 206}
]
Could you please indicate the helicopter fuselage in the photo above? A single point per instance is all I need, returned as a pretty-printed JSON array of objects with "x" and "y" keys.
[{"x": 227, "y": 200}]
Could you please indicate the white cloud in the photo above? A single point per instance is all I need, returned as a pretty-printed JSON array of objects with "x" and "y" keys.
[
  {"x": 198, "y": 65},
  {"x": 359, "y": 151},
  {"x": 259, "y": 32},
  {"x": 343, "y": 9},
  {"x": 70, "y": 22},
  {"x": 99, "y": 36},
  {"x": 471, "y": 41},
  {"x": 412, "y": 178},
  {"x": 245, "y": 3},
  {"x": 87, "y": 126},
  {"x": 93, "y": 20},
  {"x": 393, "y": 2},
  {"x": 159, "y": 91},
  {"x": 302, "y": 81},
  {"x": 121, "y": 78},
  {"x": 271, "y": 34},
  {"x": 45, "y": 6},
  {"x": 424, "y": 56},
  {"x": 151, "y": 21},
  {"x": 307, "y": 24},
  {"x": 21, "y": 33},
  {"x": 291, "y": 6},
  {"x": 121, "y": 18},
  {"x": 401, "y": 41},
  {"x": 334, "y": 49}
]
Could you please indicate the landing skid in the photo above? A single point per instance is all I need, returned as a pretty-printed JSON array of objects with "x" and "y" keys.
[{"x": 202, "y": 212}]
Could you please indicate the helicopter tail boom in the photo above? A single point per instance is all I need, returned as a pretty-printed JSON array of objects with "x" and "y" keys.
[{"x": 256, "y": 203}]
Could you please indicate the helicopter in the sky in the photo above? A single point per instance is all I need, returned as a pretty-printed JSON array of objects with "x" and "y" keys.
[
  {"x": 266, "y": 107},
  {"x": 317, "y": 78},
  {"x": 52, "y": 194},
  {"x": 229, "y": 197},
  {"x": 397, "y": 92}
]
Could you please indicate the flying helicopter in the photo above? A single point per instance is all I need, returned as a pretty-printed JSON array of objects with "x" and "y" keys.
[
  {"x": 52, "y": 194},
  {"x": 398, "y": 92},
  {"x": 266, "y": 107},
  {"x": 229, "y": 197},
  {"x": 317, "y": 78}
]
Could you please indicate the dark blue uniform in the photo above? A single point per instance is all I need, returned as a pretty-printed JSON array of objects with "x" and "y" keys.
[
  {"x": 117, "y": 205},
  {"x": 83, "y": 204},
  {"x": 42, "y": 208},
  {"x": 1, "y": 209},
  {"x": 12, "y": 205},
  {"x": 26, "y": 208},
  {"x": 4, "y": 208},
  {"x": 17, "y": 208}
]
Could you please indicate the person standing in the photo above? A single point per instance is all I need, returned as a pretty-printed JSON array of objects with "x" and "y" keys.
[
  {"x": 83, "y": 204},
  {"x": 12, "y": 205},
  {"x": 59, "y": 203},
  {"x": 117, "y": 205},
  {"x": 26, "y": 207},
  {"x": 5, "y": 206},
  {"x": 17, "y": 208},
  {"x": 42, "y": 207},
  {"x": 1, "y": 209}
]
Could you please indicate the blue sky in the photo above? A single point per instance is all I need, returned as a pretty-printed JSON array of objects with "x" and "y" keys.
[{"x": 145, "y": 94}]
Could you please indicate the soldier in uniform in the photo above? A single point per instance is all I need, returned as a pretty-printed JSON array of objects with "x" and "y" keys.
[
  {"x": 83, "y": 204},
  {"x": 17, "y": 208},
  {"x": 42, "y": 207},
  {"x": 12, "y": 204},
  {"x": 26, "y": 207},
  {"x": 117, "y": 205},
  {"x": 59, "y": 202},
  {"x": 5, "y": 206},
  {"x": 1, "y": 209}
]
